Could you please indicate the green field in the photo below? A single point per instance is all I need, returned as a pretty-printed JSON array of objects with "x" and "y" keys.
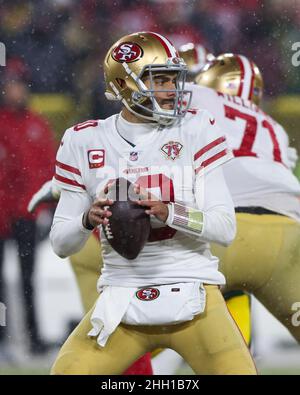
[{"x": 184, "y": 371}]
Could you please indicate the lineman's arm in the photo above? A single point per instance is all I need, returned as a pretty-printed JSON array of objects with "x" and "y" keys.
[
  {"x": 292, "y": 157},
  {"x": 47, "y": 193}
]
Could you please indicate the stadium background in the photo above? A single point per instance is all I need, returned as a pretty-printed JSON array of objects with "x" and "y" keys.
[{"x": 61, "y": 44}]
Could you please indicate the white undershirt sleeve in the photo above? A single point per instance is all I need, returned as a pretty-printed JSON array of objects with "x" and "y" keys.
[{"x": 68, "y": 235}]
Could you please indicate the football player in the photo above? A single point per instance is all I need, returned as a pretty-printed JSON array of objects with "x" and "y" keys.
[
  {"x": 169, "y": 295},
  {"x": 86, "y": 265},
  {"x": 196, "y": 56},
  {"x": 264, "y": 257}
]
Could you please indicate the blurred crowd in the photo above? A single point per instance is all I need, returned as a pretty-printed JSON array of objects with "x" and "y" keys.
[{"x": 63, "y": 42}]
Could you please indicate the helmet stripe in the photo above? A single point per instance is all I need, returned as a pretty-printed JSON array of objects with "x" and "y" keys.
[
  {"x": 242, "y": 76},
  {"x": 202, "y": 54},
  {"x": 172, "y": 47},
  {"x": 252, "y": 81},
  {"x": 195, "y": 54},
  {"x": 247, "y": 75},
  {"x": 169, "y": 47}
]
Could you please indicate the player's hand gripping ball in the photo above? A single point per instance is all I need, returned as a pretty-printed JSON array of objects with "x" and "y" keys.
[{"x": 128, "y": 227}]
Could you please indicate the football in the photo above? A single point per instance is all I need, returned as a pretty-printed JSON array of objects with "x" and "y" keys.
[{"x": 129, "y": 226}]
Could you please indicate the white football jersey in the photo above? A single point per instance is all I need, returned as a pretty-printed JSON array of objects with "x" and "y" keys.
[
  {"x": 167, "y": 161},
  {"x": 259, "y": 174}
]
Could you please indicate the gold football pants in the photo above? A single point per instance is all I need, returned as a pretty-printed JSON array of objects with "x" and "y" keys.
[
  {"x": 211, "y": 344},
  {"x": 264, "y": 259},
  {"x": 87, "y": 264}
]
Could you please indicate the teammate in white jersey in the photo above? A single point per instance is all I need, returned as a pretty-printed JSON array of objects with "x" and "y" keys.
[
  {"x": 264, "y": 259},
  {"x": 196, "y": 56},
  {"x": 169, "y": 295}
]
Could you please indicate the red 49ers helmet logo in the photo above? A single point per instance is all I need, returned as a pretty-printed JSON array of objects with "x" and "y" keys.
[
  {"x": 127, "y": 52},
  {"x": 147, "y": 294}
]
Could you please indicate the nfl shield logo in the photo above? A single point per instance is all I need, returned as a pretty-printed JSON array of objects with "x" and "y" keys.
[
  {"x": 133, "y": 156},
  {"x": 172, "y": 149}
]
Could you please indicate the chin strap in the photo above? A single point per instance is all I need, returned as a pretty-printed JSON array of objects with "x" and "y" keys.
[
  {"x": 154, "y": 118},
  {"x": 184, "y": 218}
]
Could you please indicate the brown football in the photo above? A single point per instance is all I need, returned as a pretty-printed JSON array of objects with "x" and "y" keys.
[{"x": 129, "y": 226}]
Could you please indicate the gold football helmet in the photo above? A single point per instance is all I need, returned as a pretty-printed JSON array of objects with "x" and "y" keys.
[
  {"x": 233, "y": 74},
  {"x": 139, "y": 55},
  {"x": 195, "y": 57}
]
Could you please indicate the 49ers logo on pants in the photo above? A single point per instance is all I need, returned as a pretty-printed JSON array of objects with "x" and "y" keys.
[
  {"x": 147, "y": 294},
  {"x": 96, "y": 158}
]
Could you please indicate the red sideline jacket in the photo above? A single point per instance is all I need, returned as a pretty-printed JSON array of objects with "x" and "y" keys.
[{"x": 27, "y": 159}]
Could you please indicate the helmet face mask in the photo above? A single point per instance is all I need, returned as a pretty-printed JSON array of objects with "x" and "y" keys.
[
  {"x": 147, "y": 101},
  {"x": 140, "y": 56}
]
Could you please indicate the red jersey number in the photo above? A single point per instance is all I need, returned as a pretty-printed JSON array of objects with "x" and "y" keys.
[
  {"x": 246, "y": 146},
  {"x": 165, "y": 184}
]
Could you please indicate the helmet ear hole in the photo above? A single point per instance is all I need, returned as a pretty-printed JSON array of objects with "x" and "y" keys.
[{"x": 121, "y": 83}]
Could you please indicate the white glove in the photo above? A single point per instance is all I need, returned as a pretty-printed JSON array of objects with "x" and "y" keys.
[
  {"x": 292, "y": 156},
  {"x": 47, "y": 193}
]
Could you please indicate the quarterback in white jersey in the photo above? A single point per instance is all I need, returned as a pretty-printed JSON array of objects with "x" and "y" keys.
[
  {"x": 169, "y": 295},
  {"x": 264, "y": 258},
  {"x": 94, "y": 153}
]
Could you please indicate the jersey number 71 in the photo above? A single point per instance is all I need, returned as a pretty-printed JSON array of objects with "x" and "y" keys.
[{"x": 246, "y": 146}]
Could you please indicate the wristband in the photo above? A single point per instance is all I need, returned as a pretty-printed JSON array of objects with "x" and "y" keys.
[
  {"x": 185, "y": 218},
  {"x": 85, "y": 221}
]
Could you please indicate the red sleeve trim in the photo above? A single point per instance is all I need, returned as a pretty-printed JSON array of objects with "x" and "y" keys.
[
  {"x": 69, "y": 182},
  {"x": 211, "y": 160},
  {"x": 87, "y": 124},
  {"x": 209, "y": 146},
  {"x": 68, "y": 168}
]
